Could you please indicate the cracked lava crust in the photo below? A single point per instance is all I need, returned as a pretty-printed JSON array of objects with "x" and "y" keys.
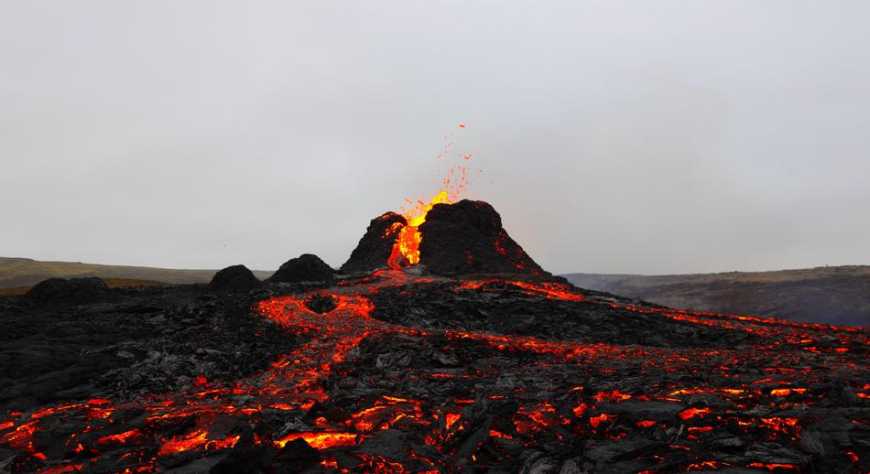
[{"x": 400, "y": 373}]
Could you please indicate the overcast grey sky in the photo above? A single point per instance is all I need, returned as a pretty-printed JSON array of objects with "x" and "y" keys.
[{"x": 643, "y": 137}]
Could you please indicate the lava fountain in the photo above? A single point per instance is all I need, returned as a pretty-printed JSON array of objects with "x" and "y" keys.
[{"x": 406, "y": 247}]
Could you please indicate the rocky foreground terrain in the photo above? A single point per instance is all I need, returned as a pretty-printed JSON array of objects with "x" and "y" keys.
[
  {"x": 407, "y": 370},
  {"x": 393, "y": 372}
]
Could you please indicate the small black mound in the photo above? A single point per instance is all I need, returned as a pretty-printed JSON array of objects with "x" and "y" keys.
[
  {"x": 236, "y": 277},
  {"x": 468, "y": 237},
  {"x": 306, "y": 267},
  {"x": 375, "y": 247},
  {"x": 74, "y": 290}
]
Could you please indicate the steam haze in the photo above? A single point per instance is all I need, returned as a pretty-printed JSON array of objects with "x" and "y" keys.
[{"x": 637, "y": 137}]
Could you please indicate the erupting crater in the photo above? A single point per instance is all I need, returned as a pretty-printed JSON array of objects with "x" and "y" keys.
[{"x": 446, "y": 238}]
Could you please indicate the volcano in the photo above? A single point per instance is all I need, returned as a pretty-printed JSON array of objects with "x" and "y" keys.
[
  {"x": 450, "y": 239},
  {"x": 440, "y": 346}
]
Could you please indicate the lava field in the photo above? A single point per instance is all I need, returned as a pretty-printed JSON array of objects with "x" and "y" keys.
[
  {"x": 401, "y": 373},
  {"x": 394, "y": 369}
]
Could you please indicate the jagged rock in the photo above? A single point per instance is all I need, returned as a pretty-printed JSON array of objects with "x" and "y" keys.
[
  {"x": 73, "y": 290},
  {"x": 296, "y": 456},
  {"x": 728, "y": 443},
  {"x": 374, "y": 248},
  {"x": 389, "y": 443},
  {"x": 540, "y": 464},
  {"x": 621, "y": 456},
  {"x": 245, "y": 458},
  {"x": 811, "y": 442},
  {"x": 129, "y": 342},
  {"x": 236, "y": 277},
  {"x": 468, "y": 237},
  {"x": 773, "y": 453},
  {"x": 306, "y": 267}
]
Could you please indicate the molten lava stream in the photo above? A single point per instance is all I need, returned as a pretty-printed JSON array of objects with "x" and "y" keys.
[{"x": 296, "y": 382}]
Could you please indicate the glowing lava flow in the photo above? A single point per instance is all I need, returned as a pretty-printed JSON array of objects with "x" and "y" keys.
[{"x": 304, "y": 379}]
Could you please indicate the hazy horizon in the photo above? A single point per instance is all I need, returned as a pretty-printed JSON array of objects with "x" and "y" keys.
[
  {"x": 612, "y": 137},
  {"x": 557, "y": 273}
]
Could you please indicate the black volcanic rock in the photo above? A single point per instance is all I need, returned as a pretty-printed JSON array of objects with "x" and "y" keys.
[
  {"x": 296, "y": 456},
  {"x": 468, "y": 237},
  {"x": 74, "y": 290},
  {"x": 413, "y": 374},
  {"x": 374, "y": 248},
  {"x": 247, "y": 458},
  {"x": 129, "y": 341},
  {"x": 236, "y": 277},
  {"x": 306, "y": 267}
]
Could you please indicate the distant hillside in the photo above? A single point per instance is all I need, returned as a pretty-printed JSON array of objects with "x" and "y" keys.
[
  {"x": 836, "y": 295},
  {"x": 25, "y": 272}
]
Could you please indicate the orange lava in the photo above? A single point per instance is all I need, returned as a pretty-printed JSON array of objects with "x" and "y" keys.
[
  {"x": 180, "y": 444},
  {"x": 120, "y": 438},
  {"x": 690, "y": 413},
  {"x": 555, "y": 291},
  {"x": 451, "y": 419},
  {"x": 62, "y": 469},
  {"x": 406, "y": 248},
  {"x": 549, "y": 290},
  {"x": 320, "y": 440},
  {"x": 785, "y": 392},
  {"x": 773, "y": 467},
  {"x": 596, "y": 421},
  {"x": 302, "y": 379},
  {"x": 613, "y": 395}
]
